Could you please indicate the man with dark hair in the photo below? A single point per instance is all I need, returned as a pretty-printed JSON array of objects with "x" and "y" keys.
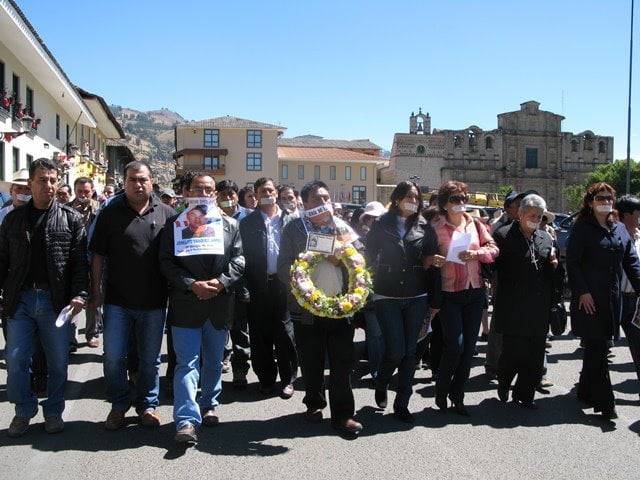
[
  {"x": 43, "y": 269},
  {"x": 87, "y": 207},
  {"x": 127, "y": 235},
  {"x": 63, "y": 194},
  {"x": 109, "y": 190},
  {"x": 288, "y": 198},
  {"x": 269, "y": 322},
  {"x": 628, "y": 207},
  {"x": 197, "y": 228},
  {"x": 200, "y": 314},
  {"x": 319, "y": 337}
]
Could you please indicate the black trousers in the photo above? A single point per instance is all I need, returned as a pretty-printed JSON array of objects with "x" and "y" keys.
[
  {"x": 239, "y": 334},
  {"x": 270, "y": 326},
  {"x": 594, "y": 386},
  {"x": 332, "y": 338},
  {"x": 524, "y": 357}
]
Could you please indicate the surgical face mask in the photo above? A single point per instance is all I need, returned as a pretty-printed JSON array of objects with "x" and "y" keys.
[
  {"x": 604, "y": 208},
  {"x": 461, "y": 207},
  {"x": 533, "y": 225},
  {"x": 23, "y": 198},
  {"x": 227, "y": 204},
  {"x": 410, "y": 207},
  {"x": 289, "y": 206},
  {"x": 267, "y": 201},
  {"x": 319, "y": 210},
  {"x": 83, "y": 200}
]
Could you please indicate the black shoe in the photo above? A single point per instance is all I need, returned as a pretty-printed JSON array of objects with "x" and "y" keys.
[
  {"x": 503, "y": 394},
  {"x": 403, "y": 414},
  {"x": 530, "y": 405},
  {"x": 609, "y": 414},
  {"x": 441, "y": 403},
  {"x": 460, "y": 409},
  {"x": 381, "y": 397}
]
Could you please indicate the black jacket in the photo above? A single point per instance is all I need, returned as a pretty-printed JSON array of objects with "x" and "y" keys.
[
  {"x": 254, "y": 241},
  {"x": 524, "y": 294},
  {"x": 595, "y": 260},
  {"x": 66, "y": 253},
  {"x": 185, "y": 310},
  {"x": 396, "y": 262}
]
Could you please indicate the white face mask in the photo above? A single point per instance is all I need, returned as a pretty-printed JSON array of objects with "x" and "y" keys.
[
  {"x": 227, "y": 204},
  {"x": 22, "y": 197},
  {"x": 604, "y": 208},
  {"x": 410, "y": 207},
  {"x": 268, "y": 201},
  {"x": 83, "y": 200},
  {"x": 533, "y": 225},
  {"x": 319, "y": 210},
  {"x": 461, "y": 207},
  {"x": 289, "y": 206}
]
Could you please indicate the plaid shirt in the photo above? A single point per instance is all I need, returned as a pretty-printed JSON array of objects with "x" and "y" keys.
[{"x": 457, "y": 277}]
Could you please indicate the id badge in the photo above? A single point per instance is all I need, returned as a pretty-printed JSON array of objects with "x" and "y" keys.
[{"x": 317, "y": 242}]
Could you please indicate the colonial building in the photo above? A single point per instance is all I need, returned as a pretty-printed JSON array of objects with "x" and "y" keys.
[
  {"x": 528, "y": 150},
  {"x": 228, "y": 148},
  {"x": 348, "y": 167},
  {"x": 42, "y": 114}
]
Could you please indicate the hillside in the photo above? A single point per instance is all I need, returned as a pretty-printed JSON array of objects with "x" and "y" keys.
[{"x": 150, "y": 137}]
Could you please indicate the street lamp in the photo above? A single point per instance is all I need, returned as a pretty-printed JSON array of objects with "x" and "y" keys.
[{"x": 25, "y": 128}]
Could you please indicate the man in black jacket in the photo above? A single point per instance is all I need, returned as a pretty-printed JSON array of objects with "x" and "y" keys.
[
  {"x": 43, "y": 269},
  {"x": 269, "y": 322},
  {"x": 201, "y": 297}
]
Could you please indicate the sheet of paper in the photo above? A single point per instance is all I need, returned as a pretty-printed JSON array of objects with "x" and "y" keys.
[
  {"x": 198, "y": 230},
  {"x": 459, "y": 243}
]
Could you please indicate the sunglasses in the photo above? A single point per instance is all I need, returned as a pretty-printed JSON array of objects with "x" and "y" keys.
[
  {"x": 604, "y": 198},
  {"x": 458, "y": 198}
]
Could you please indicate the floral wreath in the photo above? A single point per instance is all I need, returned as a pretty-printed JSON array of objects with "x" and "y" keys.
[{"x": 314, "y": 300}]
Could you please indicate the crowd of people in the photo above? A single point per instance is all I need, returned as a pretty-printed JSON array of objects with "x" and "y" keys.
[{"x": 435, "y": 271}]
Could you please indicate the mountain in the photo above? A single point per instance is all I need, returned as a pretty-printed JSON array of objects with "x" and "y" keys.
[{"x": 150, "y": 137}]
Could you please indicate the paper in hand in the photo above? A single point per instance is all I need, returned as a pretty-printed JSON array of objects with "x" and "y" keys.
[
  {"x": 459, "y": 243},
  {"x": 65, "y": 316}
]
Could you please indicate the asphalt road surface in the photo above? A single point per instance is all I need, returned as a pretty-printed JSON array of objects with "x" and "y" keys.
[{"x": 267, "y": 438}]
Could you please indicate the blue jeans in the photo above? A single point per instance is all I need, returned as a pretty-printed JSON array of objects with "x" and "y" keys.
[
  {"x": 190, "y": 344},
  {"x": 149, "y": 328},
  {"x": 460, "y": 316},
  {"x": 375, "y": 341},
  {"x": 400, "y": 321},
  {"x": 629, "y": 302},
  {"x": 35, "y": 313}
]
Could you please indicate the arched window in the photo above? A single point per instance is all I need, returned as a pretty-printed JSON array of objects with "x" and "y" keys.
[
  {"x": 574, "y": 146},
  {"x": 588, "y": 142},
  {"x": 488, "y": 143},
  {"x": 472, "y": 138},
  {"x": 457, "y": 141},
  {"x": 420, "y": 149},
  {"x": 602, "y": 148}
]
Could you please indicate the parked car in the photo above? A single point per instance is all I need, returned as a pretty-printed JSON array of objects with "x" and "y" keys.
[{"x": 562, "y": 232}]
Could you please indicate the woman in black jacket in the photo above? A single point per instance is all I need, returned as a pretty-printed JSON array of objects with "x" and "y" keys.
[
  {"x": 598, "y": 249},
  {"x": 395, "y": 247}
]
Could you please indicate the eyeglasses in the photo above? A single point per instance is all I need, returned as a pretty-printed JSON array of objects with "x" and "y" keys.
[
  {"x": 604, "y": 198},
  {"x": 201, "y": 191},
  {"x": 459, "y": 198}
]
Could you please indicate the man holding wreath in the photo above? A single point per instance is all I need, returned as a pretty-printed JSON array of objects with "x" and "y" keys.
[{"x": 318, "y": 336}]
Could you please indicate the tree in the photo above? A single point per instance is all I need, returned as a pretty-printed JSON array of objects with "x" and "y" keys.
[
  {"x": 615, "y": 174},
  {"x": 505, "y": 190},
  {"x": 574, "y": 195}
]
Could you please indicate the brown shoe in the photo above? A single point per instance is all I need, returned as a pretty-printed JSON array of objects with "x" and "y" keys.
[
  {"x": 313, "y": 415},
  {"x": 347, "y": 425},
  {"x": 150, "y": 419},
  {"x": 186, "y": 434},
  {"x": 115, "y": 419},
  {"x": 209, "y": 418},
  {"x": 287, "y": 392},
  {"x": 93, "y": 342},
  {"x": 19, "y": 426}
]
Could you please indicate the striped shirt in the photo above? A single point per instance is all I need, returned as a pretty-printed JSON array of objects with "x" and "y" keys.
[{"x": 455, "y": 276}]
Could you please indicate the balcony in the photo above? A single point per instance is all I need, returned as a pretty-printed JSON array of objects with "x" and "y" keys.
[{"x": 213, "y": 172}]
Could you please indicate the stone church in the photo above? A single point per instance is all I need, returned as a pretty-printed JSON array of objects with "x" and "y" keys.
[{"x": 528, "y": 150}]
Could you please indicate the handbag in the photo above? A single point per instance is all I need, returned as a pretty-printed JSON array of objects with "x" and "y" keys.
[{"x": 558, "y": 319}]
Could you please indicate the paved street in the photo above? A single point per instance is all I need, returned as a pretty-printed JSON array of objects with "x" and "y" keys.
[{"x": 267, "y": 438}]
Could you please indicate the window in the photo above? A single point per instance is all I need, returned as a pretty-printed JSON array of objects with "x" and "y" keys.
[
  {"x": 2, "y": 160},
  {"x": 347, "y": 173},
  {"x": 588, "y": 142},
  {"x": 332, "y": 172},
  {"x": 472, "y": 138},
  {"x": 602, "y": 147},
  {"x": 211, "y": 138},
  {"x": 211, "y": 163},
  {"x": 316, "y": 172},
  {"x": 16, "y": 159},
  {"x": 457, "y": 141},
  {"x": 574, "y": 146},
  {"x": 57, "y": 127},
  {"x": 254, "y": 138},
  {"x": 359, "y": 194},
  {"x": 2, "y": 85},
  {"x": 16, "y": 88},
  {"x": 284, "y": 171},
  {"x": 488, "y": 143},
  {"x": 420, "y": 150},
  {"x": 29, "y": 101},
  {"x": 300, "y": 172},
  {"x": 363, "y": 173},
  {"x": 29, "y": 160},
  {"x": 254, "y": 162},
  {"x": 531, "y": 160}
]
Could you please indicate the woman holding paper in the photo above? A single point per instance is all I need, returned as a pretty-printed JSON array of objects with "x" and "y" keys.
[
  {"x": 395, "y": 248},
  {"x": 463, "y": 245},
  {"x": 598, "y": 250}
]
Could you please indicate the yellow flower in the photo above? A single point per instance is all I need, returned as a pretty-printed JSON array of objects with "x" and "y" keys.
[
  {"x": 346, "y": 306},
  {"x": 358, "y": 270},
  {"x": 315, "y": 296},
  {"x": 303, "y": 264},
  {"x": 359, "y": 291},
  {"x": 350, "y": 251}
]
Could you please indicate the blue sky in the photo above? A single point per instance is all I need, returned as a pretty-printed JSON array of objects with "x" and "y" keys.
[{"x": 353, "y": 69}]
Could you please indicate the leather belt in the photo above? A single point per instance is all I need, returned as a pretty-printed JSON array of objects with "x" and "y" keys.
[{"x": 35, "y": 286}]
